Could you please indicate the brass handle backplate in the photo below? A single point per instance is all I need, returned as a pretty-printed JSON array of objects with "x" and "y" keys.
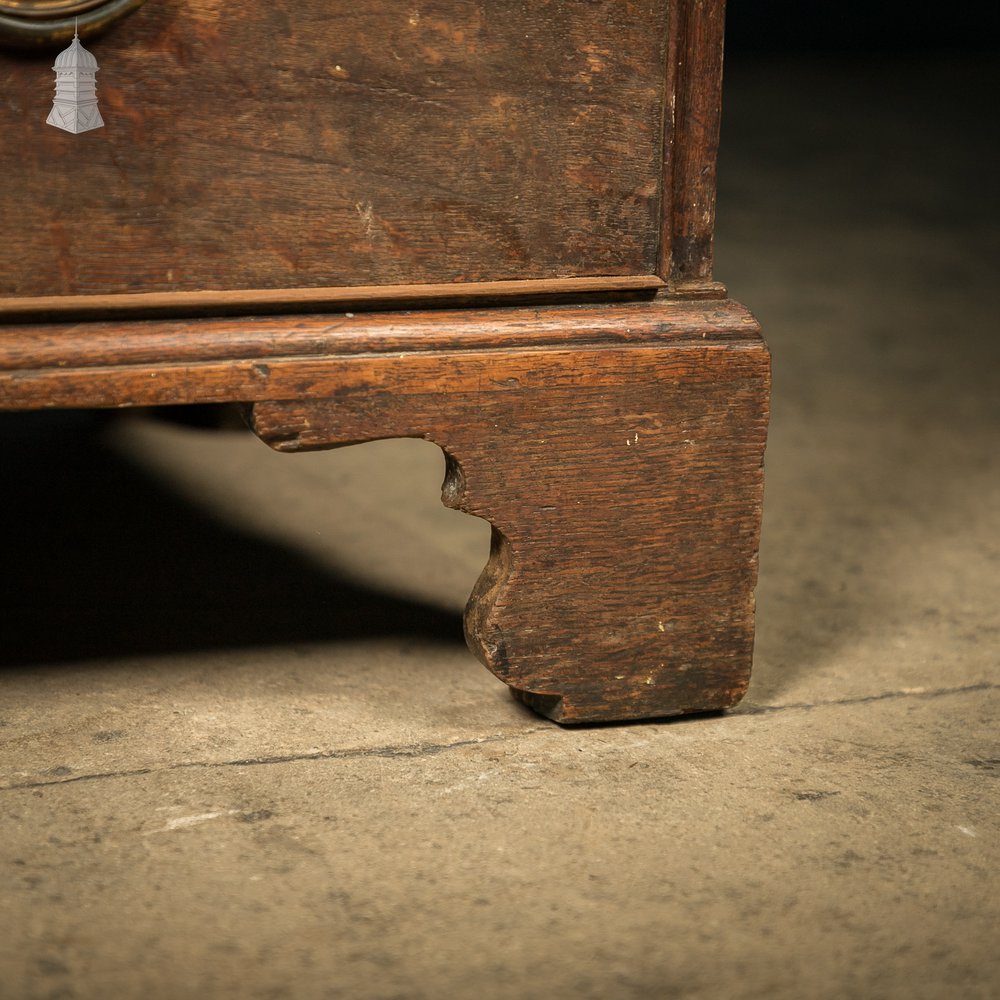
[{"x": 44, "y": 24}]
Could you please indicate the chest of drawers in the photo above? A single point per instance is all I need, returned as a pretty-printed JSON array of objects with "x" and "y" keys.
[{"x": 483, "y": 222}]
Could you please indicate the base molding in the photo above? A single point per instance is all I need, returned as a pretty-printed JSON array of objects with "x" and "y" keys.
[
  {"x": 616, "y": 449},
  {"x": 624, "y": 489}
]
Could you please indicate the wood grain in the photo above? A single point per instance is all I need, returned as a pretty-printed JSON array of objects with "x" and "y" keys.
[
  {"x": 303, "y": 144},
  {"x": 220, "y": 302},
  {"x": 295, "y": 157},
  {"x": 616, "y": 449},
  {"x": 624, "y": 490},
  {"x": 688, "y": 210},
  {"x": 102, "y": 364}
]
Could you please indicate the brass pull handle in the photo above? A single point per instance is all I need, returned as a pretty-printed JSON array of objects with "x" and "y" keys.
[{"x": 43, "y": 24}]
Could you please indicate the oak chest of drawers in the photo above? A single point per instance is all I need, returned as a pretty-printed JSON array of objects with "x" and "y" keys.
[{"x": 483, "y": 222}]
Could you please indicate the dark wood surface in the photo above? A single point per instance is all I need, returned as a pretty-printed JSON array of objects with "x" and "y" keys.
[
  {"x": 616, "y": 449},
  {"x": 206, "y": 302},
  {"x": 301, "y": 144},
  {"x": 624, "y": 488},
  {"x": 102, "y": 364},
  {"x": 697, "y": 35},
  {"x": 581, "y": 147},
  {"x": 282, "y": 157}
]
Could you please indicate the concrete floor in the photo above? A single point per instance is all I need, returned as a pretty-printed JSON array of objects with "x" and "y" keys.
[{"x": 245, "y": 753}]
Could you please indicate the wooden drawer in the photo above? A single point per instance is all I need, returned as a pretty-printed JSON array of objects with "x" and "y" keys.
[
  {"x": 298, "y": 155},
  {"x": 300, "y": 144}
]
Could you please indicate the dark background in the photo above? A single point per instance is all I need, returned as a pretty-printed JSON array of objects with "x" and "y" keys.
[{"x": 861, "y": 25}]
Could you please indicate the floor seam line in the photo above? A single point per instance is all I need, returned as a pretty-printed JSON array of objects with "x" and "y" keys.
[
  {"x": 866, "y": 699},
  {"x": 404, "y": 751}
]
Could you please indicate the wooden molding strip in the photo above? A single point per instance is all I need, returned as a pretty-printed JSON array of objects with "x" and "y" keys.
[
  {"x": 59, "y": 348},
  {"x": 691, "y": 141},
  {"x": 216, "y": 302},
  {"x": 157, "y": 362}
]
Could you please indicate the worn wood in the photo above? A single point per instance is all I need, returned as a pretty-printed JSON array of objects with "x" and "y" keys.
[
  {"x": 307, "y": 144},
  {"x": 208, "y": 302},
  {"x": 372, "y": 167},
  {"x": 694, "y": 115},
  {"x": 615, "y": 448},
  {"x": 100, "y": 364},
  {"x": 624, "y": 489},
  {"x": 166, "y": 189}
]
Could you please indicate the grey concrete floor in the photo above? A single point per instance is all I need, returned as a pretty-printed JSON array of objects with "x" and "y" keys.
[{"x": 245, "y": 753}]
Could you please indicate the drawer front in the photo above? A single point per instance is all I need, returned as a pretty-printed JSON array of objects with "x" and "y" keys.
[{"x": 317, "y": 144}]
